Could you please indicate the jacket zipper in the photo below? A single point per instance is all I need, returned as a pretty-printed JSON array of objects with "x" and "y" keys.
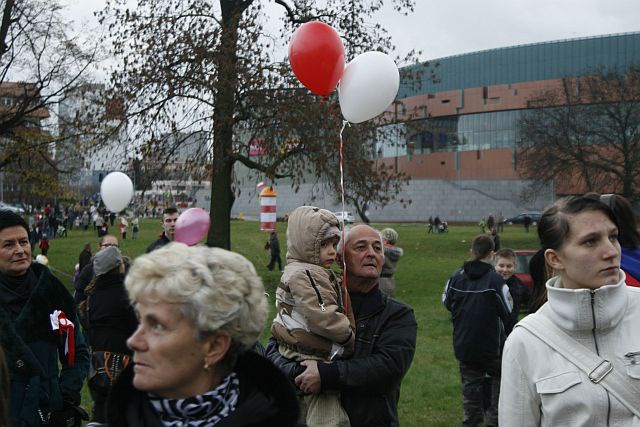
[
  {"x": 315, "y": 288},
  {"x": 595, "y": 341}
]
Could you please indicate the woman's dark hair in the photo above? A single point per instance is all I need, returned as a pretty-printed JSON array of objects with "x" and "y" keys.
[
  {"x": 553, "y": 227},
  {"x": 539, "y": 272},
  {"x": 627, "y": 227},
  {"x": 10, "y": 219}
]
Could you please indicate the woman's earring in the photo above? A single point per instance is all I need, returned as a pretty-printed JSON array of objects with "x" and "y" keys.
[{"x": 206, "y": 366}]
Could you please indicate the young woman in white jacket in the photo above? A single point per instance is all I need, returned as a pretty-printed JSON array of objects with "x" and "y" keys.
[{"x": 587, "y": 300}]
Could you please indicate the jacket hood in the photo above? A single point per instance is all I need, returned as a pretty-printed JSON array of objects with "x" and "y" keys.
[
  {"x": 306, "y": 229},
  {"x": 393, "y": 253},
  {"x": 476, "y": 269}
]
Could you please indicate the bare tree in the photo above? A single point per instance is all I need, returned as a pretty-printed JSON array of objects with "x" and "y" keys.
[
  {"x": 209, "y": 66},
  {"x": 586, "y": 132},
  {"x": 39, "y": 64}
]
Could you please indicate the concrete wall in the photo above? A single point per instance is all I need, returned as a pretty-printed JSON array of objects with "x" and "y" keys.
[{"x": 452, "y": 200}]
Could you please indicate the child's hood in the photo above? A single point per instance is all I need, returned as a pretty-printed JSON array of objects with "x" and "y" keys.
[{"x": 307, "y": 227}]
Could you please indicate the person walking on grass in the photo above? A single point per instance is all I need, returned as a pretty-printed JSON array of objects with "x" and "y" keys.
[
  {"x": 392, "y": 254},
  {"x": 480, "y": 305},
  {"x": 44, "y": 245},
  {"x": 273, "y": 246},
  {"x": 124, "y": 225},
  {"x": 135, "y": 227}
]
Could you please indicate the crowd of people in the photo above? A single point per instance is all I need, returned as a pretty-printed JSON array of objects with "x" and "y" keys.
[
  {"x": 172, "y": 337},
  {"x": 437, "y": 225},
  {"x": 572, "y": 360}
]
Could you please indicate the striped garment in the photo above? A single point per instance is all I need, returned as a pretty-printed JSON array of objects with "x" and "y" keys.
[{"x": 203, "y": 410}]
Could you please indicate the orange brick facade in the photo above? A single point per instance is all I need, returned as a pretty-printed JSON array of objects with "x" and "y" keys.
[{"x": 501, "y": 163}]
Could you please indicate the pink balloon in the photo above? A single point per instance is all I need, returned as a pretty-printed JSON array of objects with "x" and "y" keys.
[{"x": 192, "y": 226}]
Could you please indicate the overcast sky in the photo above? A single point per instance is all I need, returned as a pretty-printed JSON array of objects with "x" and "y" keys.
[{"x": 450, "y": 27}]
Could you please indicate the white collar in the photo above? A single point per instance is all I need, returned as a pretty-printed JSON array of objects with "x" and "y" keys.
[{"x": 575, "y": 309}]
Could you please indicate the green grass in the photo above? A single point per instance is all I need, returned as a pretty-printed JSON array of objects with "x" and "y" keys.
[{"x": 431, "y": 393}]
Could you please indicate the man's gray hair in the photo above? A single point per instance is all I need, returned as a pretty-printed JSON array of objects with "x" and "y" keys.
[{"x": 346, "y": 236}]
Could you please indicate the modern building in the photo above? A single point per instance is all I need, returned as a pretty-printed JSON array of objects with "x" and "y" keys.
[
  {"x": 93, "y": 135},
  {"x": 457, "y": 136},
  {"x": 24, "y": 117}
]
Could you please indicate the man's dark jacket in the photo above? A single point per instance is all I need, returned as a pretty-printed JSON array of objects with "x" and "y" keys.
[
  {"x": 34, "y": 351},
  {"x": 520, "y": 295},
  {"x": 480, "y": 305},
  {"x": 370, "y": 380},
  {"x": 163, "y": 240},
  {"x": 274, "y": 246}
]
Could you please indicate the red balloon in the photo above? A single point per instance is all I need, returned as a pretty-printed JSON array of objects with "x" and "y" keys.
[{"x": 316, "y": 55}]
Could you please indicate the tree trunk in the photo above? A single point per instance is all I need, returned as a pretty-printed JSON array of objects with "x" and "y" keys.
[
  {"x": 4, "y": 26},
  {"x": 225, "y": 103},
  {"x": 361, "y": 212}
]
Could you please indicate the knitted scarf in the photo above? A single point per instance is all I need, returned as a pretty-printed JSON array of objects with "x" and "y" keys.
[
  {"x": 15, "y": 291},
  {"x": 204, "y": 410}
]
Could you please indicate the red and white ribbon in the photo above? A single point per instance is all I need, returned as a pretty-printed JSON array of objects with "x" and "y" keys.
[
  {"x": 61, "y": 324},
  {"x": 344, "y": 261}
]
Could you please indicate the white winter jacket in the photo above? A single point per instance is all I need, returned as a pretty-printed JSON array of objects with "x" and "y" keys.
[{"x": 539, "y": 387}]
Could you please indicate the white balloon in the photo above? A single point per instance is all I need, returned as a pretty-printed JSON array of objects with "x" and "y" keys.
[
  {"x": 368, "y": 86},
  {"x": 116, "y": 191}
]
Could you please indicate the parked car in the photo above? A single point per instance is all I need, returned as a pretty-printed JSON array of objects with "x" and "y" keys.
[
  {"x": 12, "y": 208},
  {"x": 519, "y": 219},
  {"x": 346, "y": 217},
  {"x": 523, "y": 256}
]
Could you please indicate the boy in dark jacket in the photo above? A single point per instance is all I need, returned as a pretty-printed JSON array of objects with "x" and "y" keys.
[
  {"x": 480, "y": 305},
  {"x": 506, "y": 266}
]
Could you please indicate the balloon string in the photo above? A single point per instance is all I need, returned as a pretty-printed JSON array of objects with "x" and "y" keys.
[{"x": 345, "y": 297}]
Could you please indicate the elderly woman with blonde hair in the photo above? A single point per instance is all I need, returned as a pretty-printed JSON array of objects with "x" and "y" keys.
[{"x": 201, "y": 311}]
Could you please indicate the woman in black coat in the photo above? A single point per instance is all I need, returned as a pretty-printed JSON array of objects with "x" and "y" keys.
[
  {"x": 201, "y": 311},
  {"x": 110, "y": 321}
]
